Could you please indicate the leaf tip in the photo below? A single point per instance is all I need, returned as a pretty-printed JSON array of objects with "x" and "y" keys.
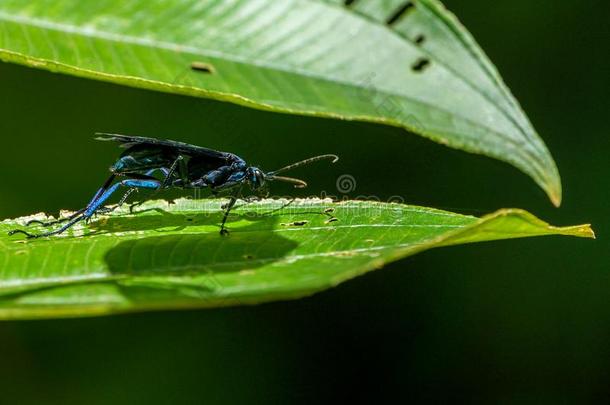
[
  {"x": 581, "y": 231},
  {"x": 555, "y": 195},
  {"x": 549, "y": 180},
  {"x": 587, "y": 232}
]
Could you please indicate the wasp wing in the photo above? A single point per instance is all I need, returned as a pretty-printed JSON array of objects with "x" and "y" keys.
[{"x": 127, "y": 141}]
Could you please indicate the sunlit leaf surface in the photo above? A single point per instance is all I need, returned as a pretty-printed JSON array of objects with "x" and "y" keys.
[{"x": 171, "y": 255}]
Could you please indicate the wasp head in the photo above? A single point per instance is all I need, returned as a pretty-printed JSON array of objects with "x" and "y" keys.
[{"x": 255, "y": 178}]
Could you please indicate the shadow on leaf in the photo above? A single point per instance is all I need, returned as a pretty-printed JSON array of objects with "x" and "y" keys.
[
  {"x": 189, "y": 253},
  {"x": 187, "y": 265}
]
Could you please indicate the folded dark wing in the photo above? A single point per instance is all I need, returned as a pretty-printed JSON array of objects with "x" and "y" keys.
[{"x": 127, "y": 141}]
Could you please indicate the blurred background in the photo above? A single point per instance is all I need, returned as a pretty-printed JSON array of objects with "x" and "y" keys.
[{"x": 511, "y": 322}]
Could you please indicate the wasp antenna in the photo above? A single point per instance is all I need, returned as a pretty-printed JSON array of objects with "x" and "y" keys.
[
  {"x": 297, "y": 182},
  {"x": 334, "y": 158},
  {"x": 104, "y": 136}
]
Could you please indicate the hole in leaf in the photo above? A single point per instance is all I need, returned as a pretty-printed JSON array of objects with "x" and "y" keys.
[
  {"x": 296, "y": 223},
  {"x": 420, "y": 64},
  {"x": 202, "y": 67},
  {"x": 348, "y": 2},
  {"x": 420, "y": 39},
  {"x": 399, "y": 12}
]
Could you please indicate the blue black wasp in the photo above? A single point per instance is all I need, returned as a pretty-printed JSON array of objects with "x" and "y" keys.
[{"x": 177, "y": 165}]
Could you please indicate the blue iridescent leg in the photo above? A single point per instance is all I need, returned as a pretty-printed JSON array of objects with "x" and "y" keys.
[
  {"x": 131, "y": 183},
  {"x": 166, "y": 173},
  {"x": 167, "y": 180},
  {"x": 94, "y": 205},
  {"x": 79, "y": 212}
]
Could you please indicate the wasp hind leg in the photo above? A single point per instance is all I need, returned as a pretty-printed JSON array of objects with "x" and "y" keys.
[
  {"x": 97, "y": 195},
  {"x": 47, "y": 224},
  {"x": 98, "y": 200}
]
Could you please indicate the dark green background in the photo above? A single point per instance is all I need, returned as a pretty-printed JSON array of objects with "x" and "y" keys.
[{"x": 515, "y": 322}]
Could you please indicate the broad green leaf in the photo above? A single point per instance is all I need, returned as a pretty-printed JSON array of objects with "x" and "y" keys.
[
  {"x": 408, "y": 64},
  {"x": 172, "y": 256}
]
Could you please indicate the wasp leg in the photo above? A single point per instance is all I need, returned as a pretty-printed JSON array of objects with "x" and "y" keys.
[
  {"x": 58, "y": 231},
  {"x": 252, "y": 199},
  {"x": 293, "y": 199},
  {"x": 106, "y": 210},
  {"x": 94, "y": 205},
  {"x": 79, "y": 212},
  {"x": 231, "y": 203},
  {"x": 167, "y": 178},
  {"x": 327, "y": 212},
  {"x": 145, "y": 176},
  {"x": 57, "y": 221},
  {"x": 169, "y": 173},
  {"x": 227, "y": 207},
  {"x": 132, "y": 184}
]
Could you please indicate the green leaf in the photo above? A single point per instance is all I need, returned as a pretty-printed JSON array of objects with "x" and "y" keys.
[
  {"x": 420, "y": 69},
  {"x": 172, "y": 256}
]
